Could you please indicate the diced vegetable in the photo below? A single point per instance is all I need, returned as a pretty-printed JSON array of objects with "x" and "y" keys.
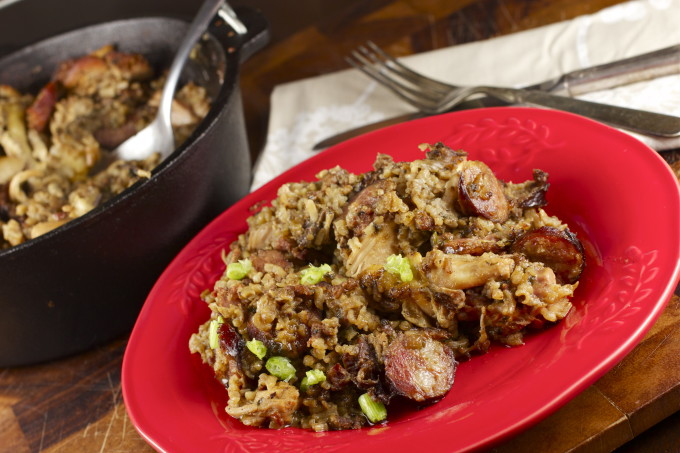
[
  {"x": 280, "y": 367},
  {"x": 312, "y": 377},
  {"x": 239, "y": 269},
  {"x": 397, "y": 264},
  {"x": 213, "y": 332},
  {"x": 315, "y": 377},
  {"x": 375, "y": 411},
  {"x": 257, "y": 347},
  {"x": 313, "y": 274}
]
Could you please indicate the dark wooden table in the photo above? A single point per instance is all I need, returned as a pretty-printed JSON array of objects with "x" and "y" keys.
[{"x": 75, "y": 404}]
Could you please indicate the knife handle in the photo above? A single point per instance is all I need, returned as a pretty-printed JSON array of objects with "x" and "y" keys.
[
  {"x": 645, "y": 122},
  {"x": 647, "y": 66}
]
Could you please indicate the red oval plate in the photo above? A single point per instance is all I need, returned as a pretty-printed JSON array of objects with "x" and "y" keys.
[{"x": 617, "y": 194}]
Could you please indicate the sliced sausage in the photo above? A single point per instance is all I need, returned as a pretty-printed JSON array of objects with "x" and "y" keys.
[
  {"x": 40, "y": 111},
  {"x": 419, "y": 367},
  {"x": 558, "y": 249},
  {"x": 480, "y": 193}
]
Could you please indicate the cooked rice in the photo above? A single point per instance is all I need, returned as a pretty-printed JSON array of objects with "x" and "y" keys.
[
  {"x": 364, "y": 327},
  {"x": 51, "y": 142}
]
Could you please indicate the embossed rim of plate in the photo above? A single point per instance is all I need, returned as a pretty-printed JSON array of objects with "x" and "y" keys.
[{"x": 615, "y": 192}]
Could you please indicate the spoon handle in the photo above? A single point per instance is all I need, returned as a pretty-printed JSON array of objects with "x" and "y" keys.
[{"x": 198, "y": 26}]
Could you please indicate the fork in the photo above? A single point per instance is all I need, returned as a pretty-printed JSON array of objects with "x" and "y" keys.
[{"x": 432, "y": 97}]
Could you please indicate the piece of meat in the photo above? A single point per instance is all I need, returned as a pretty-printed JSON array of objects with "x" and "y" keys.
[
  {"x": 227, "y": 295},
  {"x": 529, "y": 194},
  {"x": 292, "y": 348},
  {"x": 272, "y": 404},
  {"x": 480, "y": 193},
  {"x": 372, "y": 249},
  {"x": 338, "y": 377},
  {"x": 259, "y": 236},
  {"x": 423, "y": 221},
  {"x": 111, "y": 137},
  {"x": 441, "y": 152},
  {"x": 417, "y": 304},
  {"x": 365, "y": 370},
  {"x": 282, "y": 333},
  {"x": 39, "y": 112},
  {"x": 544, "y": 283},
  {"x": 131, "y": 66},
  {"x": 275, "y": 257},
  {"x": 558, "y": 249},
  {"x": 360, "y": 211},
  {"x": 450, "y": 272},
  {"x": 230, "y": 341},
  {"x": 467, "y": 246},
  {"x": 233, "y": 347},
  {"x": 363, "y": 367},
  {"x": 419, "y": 366},
  {"x": 80, "y": 71},
  {"x": 441, "y": 308},
  {"x": 85, "y": 74},
  {"x": 386, "y": 290}
]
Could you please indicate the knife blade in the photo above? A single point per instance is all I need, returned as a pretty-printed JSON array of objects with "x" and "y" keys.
[{"x": 638, "y": 68}]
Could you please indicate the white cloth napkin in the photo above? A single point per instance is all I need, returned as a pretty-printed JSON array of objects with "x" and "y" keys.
[{"x": 306, "y": 111}]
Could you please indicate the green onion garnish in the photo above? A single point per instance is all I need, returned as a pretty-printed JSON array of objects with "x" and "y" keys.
[
  {"x": 213, "y": 332},
  {"x": 312, "y": 377},
  {"x": 374, "y": 410},
  {"x": 257, "y": 347},
  {"x": 239, "y": 269},
  {"x": 397, "y": 264},
  {"x": 313, "y": 274},
  {"x": 280, "y": 367},
  {"x": 315, "y": 376}
]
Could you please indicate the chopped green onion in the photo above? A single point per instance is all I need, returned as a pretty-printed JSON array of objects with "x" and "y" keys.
[
  {"x": 313, "y": 274},
  {"x": 315, "y": 376},
  {"x": 213, "y": 332},
  {"x": 239, "y": 269},
  {"x": 312, "y": 377},
  {"x": 397, "y": 264},
  {"x": 374, "y": 410},
  {"x": 257, "y": 347},
  {"x": 280, "y": 367}
]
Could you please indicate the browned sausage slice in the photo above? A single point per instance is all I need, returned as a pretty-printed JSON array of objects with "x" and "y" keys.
[
  {"x": 480, "y": 193},
  {"x": 39, "y": 113},
  {"x": 419, "y": 367},
  {"x": 559, "y": 250}
]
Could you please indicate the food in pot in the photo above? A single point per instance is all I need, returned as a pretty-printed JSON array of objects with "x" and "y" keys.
[
  {"x": 354, "y": 291},
  {"x": 51, "y": 143}
]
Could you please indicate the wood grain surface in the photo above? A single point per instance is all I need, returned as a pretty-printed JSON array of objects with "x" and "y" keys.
[{"x": 75, "y": 404}]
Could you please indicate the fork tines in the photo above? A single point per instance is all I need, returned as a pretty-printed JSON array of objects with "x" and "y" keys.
[{"x": 414, "y": 88}]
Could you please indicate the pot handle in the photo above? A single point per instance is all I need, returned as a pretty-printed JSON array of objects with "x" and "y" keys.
[{"x": 248, "y": 41}]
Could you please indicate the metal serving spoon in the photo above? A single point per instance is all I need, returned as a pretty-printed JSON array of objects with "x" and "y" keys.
[{"x": 158, "y": 136}]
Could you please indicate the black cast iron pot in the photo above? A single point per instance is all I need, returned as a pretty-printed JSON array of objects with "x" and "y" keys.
[{"x": 85, "y": 282}]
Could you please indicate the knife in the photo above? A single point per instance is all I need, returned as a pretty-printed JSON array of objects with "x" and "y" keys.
[{"x": 638, "y": 68}]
